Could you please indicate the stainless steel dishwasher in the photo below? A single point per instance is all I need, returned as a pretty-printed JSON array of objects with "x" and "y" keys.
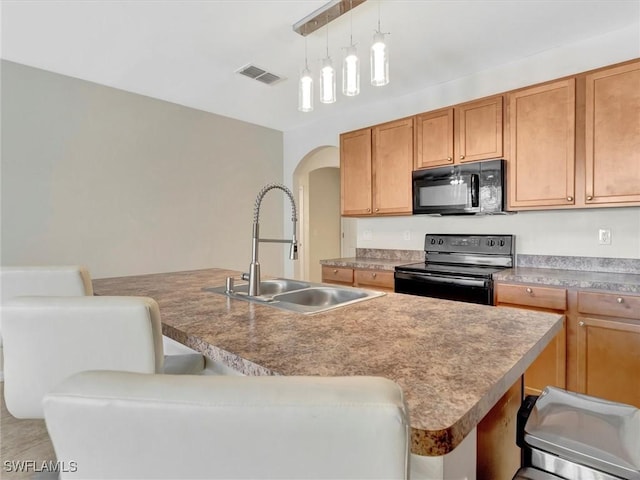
[{"x": 566, "y": 435}]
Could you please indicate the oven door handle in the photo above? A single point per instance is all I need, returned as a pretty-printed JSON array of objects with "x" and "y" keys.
[{"x": 462, "y": 281}]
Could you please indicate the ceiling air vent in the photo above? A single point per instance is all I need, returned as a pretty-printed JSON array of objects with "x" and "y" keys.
[{"x": 260, "y": 74}]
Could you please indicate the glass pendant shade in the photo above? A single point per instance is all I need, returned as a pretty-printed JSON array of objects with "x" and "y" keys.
[
  {"x": 379, "y": 61},
  {"x": 351, "y": 73},
  {"x": 327, "y": 82},
  {"x": 305, "y": 91}
]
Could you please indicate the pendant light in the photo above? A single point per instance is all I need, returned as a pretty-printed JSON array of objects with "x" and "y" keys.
[
  {"x": 327, "y": 77},
  {"x": 305, "y": 86},
  {"x": 351, "y": 65},
  {"x": 379, "y": 58}
]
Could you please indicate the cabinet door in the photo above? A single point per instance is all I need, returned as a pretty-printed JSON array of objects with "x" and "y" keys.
[
  {"x": 339, "y": 275},
  {"x": 355, "y": 172},
  {"x": 550, "y": 368},
  {"x": 375, "y": 279},
  {"x": 392, "y": 166},
  {"x": 609, "y": 359},
  {"x": 613, "y": 135},
  {"x": 478, "y": 130},
  {"x": 434, "y": 138},
  {"x": 542, "y": 129}
]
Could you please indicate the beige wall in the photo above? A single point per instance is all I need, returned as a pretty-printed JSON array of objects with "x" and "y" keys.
[
  {"x": 324, "y": 218},
  {"x": 127, "y": 184}
]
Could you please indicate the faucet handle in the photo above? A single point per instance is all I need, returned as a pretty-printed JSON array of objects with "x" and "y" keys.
[{"x": 245, "y": 276}]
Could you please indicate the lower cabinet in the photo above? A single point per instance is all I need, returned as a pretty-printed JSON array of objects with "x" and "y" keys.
[
  {"x": 608, "y": 346},
  {"x": 365, "y": 278},
  {"x": 551, "y": 365},
  {"x": 598, "y": 351}
]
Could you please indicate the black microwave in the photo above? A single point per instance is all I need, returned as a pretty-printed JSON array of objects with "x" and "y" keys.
[{"x": 465, "y": 189}]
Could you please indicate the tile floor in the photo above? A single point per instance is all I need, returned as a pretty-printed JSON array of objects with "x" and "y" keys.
[{"x": 21, "y": 440}]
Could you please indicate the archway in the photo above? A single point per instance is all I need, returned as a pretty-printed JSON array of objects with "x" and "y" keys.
[{"x": 316, "y": 182}]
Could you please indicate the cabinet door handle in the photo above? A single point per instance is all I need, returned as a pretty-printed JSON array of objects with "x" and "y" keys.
[
  {"x": 449, "y": 158},
  {"x": 581, "y": 324},
  {"x": 589, "y": 197},
  {"x": 368, "y": 210},
  {"x": 620, "y": 300},
  {"x": 335, "y": 271},
  {"x": 374, "y": 274},
  {"x": 461, "y": 157},
  {"x": 377, "y": 209},
  {"x": 528, "y": 290},
  {"x": 569, "y": 199}
]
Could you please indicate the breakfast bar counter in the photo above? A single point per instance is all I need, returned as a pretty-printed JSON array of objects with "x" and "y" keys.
[{"x": 453, "y": 360}]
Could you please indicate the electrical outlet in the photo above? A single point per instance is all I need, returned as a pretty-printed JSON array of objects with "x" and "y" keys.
[
  {"x": 406, "y": 235},
  {"x": 604, "y": 236}
]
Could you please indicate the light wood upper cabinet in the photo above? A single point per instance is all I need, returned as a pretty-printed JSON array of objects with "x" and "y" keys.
[
  {"x": 392, "y": 167},
  {"x": 355, "y": 172},
  {"x": 434, "y": 138},
  {"x": 542, "y": 137},
  {"x": 612, "y": 136},
  {"x": 375, "y": 169},
  {"x": 478, "y": 130},
  {"x": 608, "y": 346},
  {"x": 466, "y": 133}
]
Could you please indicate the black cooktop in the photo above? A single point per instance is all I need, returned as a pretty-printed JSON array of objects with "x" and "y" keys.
[{"x": 461, "y": 270}]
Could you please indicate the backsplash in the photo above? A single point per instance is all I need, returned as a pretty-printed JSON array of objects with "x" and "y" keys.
[
  {"x": 592, "y": 264},
  {"x": 388, "y": 254}
]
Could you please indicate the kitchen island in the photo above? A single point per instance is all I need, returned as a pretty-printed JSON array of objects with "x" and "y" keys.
[{"x": 454, "y": 361}]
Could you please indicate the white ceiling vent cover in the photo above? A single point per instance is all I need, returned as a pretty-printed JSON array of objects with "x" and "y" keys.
[{"x": 260, "y": 74}]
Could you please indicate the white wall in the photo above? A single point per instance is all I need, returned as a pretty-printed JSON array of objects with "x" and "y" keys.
[
  {"x": 127, "y": 184},
  {"x": 533, "y": 229}
]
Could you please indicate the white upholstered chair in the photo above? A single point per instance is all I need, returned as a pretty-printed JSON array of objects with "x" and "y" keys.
[
  {"x": 46, "y": 339},
  {"x": 129, "y": 425},
  {"x": 56, "y": 281},
  {"x": 74, "y": 280}
]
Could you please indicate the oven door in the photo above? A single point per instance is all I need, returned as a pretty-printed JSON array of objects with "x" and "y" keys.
[{"x": 462, "y": 289}]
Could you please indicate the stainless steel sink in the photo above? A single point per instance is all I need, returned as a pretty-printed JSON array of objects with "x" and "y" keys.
[
  {"x": 321, "y": 296},
  {"x": 297, "y": 296},
  {"x": 274, "y": 286}
]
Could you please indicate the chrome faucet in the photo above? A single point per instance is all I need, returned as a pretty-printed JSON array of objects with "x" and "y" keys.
[{"x": 254, "y": 269}]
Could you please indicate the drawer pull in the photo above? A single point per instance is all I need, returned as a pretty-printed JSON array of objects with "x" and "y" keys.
[
  {"x": 620, "y": 300},
  {"x": 581, "y": 324},
  {"x": 335, "y": 271},
  {"x": 374, "y": 274},
  {"x": 528, "y": 290}
]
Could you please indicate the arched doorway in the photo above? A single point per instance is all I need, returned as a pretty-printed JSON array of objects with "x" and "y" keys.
[{"x": 316, "y": 182}]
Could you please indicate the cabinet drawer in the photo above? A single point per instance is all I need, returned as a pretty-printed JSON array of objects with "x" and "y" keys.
[
  {"x": 532, "y": 296},
  {"x": 337, "y": 274},
  {"x": 374, "y": 278},
  {"x": 625, "y": 306}
]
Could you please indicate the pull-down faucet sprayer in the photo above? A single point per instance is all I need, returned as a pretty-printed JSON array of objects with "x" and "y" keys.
[{"x": 254, "y": 267}]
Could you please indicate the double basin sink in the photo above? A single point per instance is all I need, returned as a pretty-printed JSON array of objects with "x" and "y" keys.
[{"x": 298, "y": 296}]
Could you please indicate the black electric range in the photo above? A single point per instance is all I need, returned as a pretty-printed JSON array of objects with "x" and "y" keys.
[{"x": 457, "y": 267}]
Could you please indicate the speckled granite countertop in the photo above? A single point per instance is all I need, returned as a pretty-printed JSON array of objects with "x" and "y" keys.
[
  {"x": 453, "y": 360},
  {"x": 609, "y": 281},
  {"x": 377, "y": 259}
]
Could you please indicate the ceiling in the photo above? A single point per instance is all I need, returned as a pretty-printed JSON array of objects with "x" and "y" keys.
[{"x": 187, "y": 51}]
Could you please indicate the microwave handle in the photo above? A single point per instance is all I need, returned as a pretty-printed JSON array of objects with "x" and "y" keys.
[{"x": 475, "y": 190}]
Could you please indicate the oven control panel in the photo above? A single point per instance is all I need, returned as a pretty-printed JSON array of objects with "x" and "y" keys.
[{"x": 481, "y": 244}]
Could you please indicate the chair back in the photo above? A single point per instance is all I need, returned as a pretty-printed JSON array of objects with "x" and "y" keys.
[
  {"x": 46, "y": 339},
  {"x": 72, "y": 280},
  {"x": 126, "y": 425}
]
